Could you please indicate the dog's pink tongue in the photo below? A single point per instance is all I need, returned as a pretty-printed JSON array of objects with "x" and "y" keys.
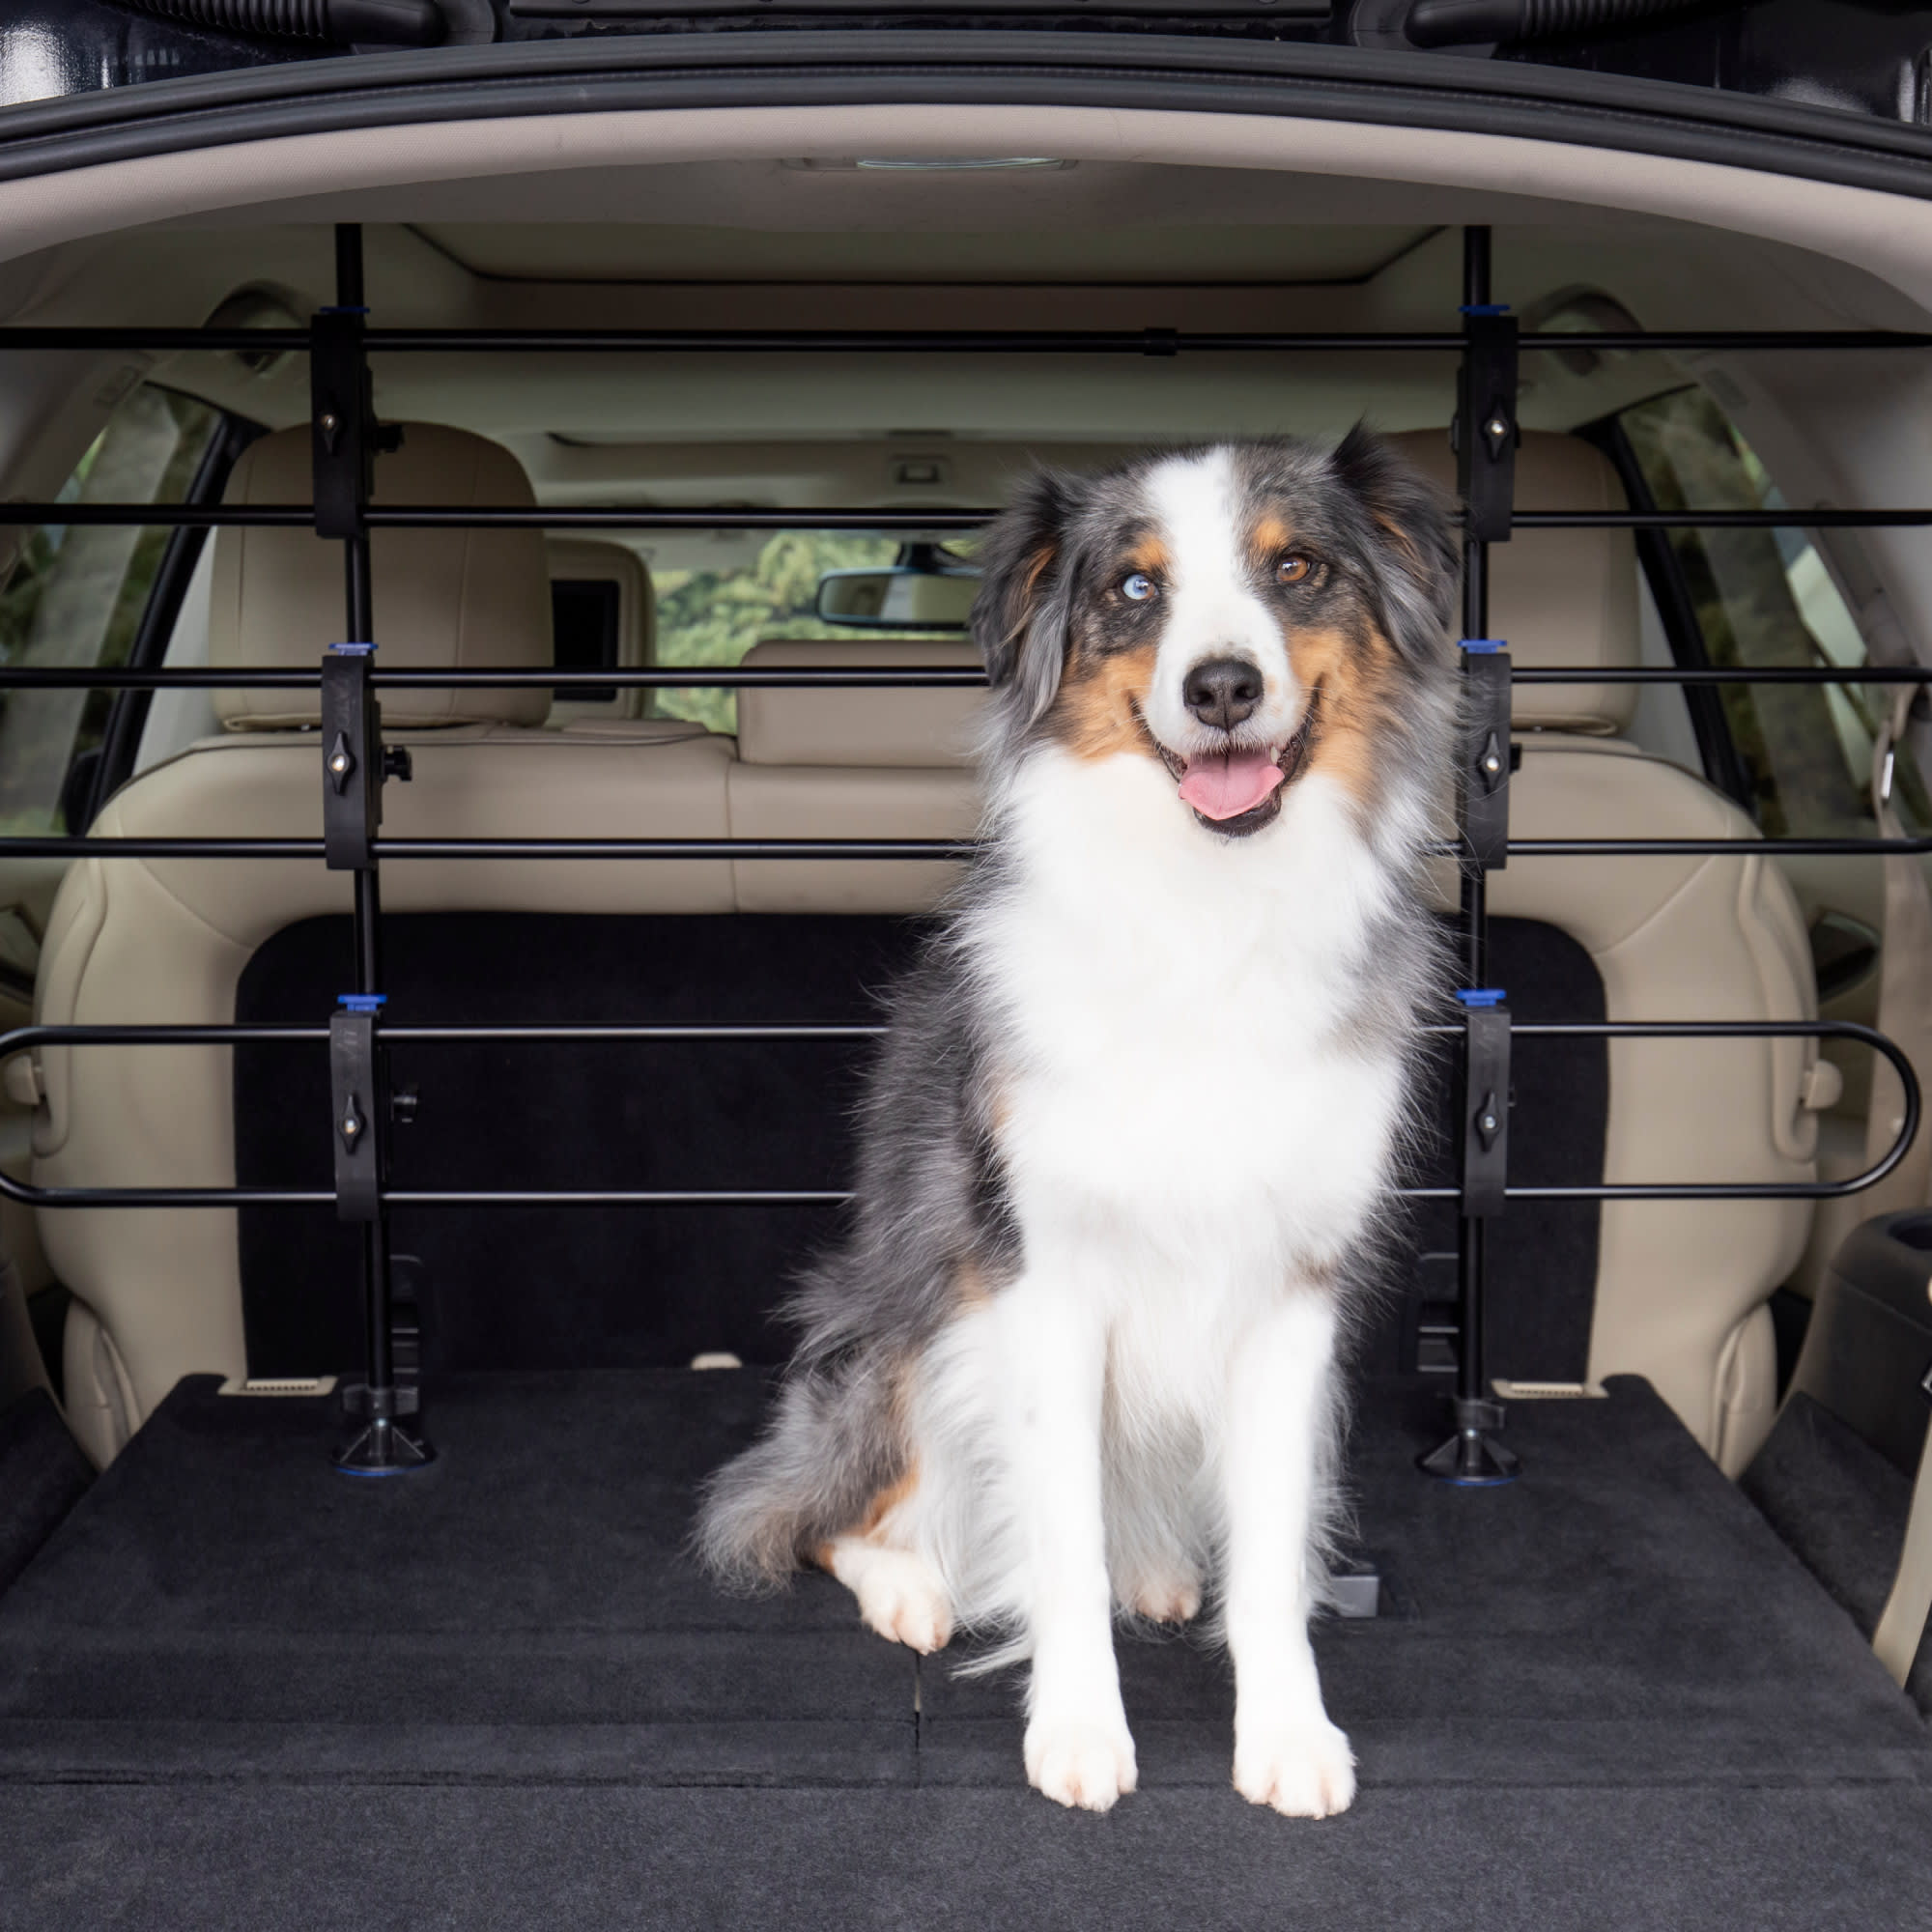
[{"x": 1224, "y": 785}]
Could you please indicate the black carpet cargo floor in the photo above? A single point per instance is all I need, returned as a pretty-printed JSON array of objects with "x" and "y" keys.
[{"x": 238, "y": 1689}]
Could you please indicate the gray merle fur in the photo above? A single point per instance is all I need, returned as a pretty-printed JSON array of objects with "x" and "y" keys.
[{"x": 930, "y": 1202}]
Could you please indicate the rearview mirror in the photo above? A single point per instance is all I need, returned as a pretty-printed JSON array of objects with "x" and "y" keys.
[{"x": 897, "y": 598}]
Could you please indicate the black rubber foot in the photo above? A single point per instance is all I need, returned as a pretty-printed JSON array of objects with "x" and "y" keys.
[
  {"x": 1472, "y": 1460},
  {"x": 384, "y": 1447}
]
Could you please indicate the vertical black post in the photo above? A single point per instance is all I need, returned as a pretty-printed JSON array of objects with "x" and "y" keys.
[
  {"x": 1485, "y": 436},
  {"x": 345, "y": 440}
]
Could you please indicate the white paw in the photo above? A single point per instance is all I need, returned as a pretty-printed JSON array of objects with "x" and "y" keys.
[
  {"x": 902, "y": 1599},
  {"x": 1076, "y": 1762},
  {"x": 1167, "y": 1600},
  {"x": 1303, "y": 1770}
]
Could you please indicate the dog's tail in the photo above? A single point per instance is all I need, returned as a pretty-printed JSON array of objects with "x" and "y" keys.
[{"x": 833, "y": 1443}]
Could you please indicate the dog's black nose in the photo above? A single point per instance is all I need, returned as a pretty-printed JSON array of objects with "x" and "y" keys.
[{"x": 1223, "y": 691}]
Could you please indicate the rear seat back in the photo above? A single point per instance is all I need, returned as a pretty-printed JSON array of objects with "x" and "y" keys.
[
  {"x": 853, "y": 764},
  {"x": 156, "y": 1293}
]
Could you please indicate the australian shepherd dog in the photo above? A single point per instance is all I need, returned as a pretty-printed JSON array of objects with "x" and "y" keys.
[{"x": 1133, "y": 1136}]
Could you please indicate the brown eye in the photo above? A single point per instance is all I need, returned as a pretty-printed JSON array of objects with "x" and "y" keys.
[{"x": 1291, "y": 569}]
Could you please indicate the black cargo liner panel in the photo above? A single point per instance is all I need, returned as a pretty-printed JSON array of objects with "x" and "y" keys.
[{"x": 631, "y": 1288}]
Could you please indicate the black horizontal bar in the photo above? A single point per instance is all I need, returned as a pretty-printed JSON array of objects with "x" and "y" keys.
[
  {"x": 1719, "y": 520},
  {"x": 59, "y": 847},
  {"x": 521, "y": 516},
  {"x": 837, "y": 677},
  {"x": 256, "y": 1033},
  {"x": 942, "y": 341},
  {"x": 24, "y": 1038},
  {"x": 493, "y": 848},
  {"x": 763, "y": 677},
  {"x": 644, "y": 517},
  {"x": 1658, "y": 849}
]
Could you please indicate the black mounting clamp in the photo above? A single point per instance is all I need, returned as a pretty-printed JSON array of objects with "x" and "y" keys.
[
  {"x": 1486, "y": 1102},
  {"x": 1487, "y": 754},
  {"x": 342, "y": 422},
  {"x": 1485, "y": 432},
  {"x": 355, "y": 1101},
  {"x": 353, "y": 759}
]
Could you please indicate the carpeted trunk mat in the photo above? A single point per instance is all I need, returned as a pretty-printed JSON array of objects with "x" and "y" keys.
[{"x": 237, "y": 1688}]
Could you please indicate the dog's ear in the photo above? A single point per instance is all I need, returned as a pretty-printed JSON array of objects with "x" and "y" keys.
[
  {"x": 1414, "y": 533},
  {"x": 1020, "y": 614}
]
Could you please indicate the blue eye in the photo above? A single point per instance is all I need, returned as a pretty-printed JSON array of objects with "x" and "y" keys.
[{"x": 1138, "y": 588}]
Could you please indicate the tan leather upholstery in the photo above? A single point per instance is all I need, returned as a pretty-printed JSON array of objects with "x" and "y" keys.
[
  {"x": 1557, "y": 597},
  {"x": 907, "y": 727},
  {"x": 579, "y": 561},
  {"x": 853, "y": 764},
  {"x": 475, "y": 598}
]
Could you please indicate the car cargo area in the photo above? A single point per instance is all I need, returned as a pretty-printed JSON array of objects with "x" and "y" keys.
[
  {"x": 344, "y": 1520},
  {"x": 499, "y": 1690}
]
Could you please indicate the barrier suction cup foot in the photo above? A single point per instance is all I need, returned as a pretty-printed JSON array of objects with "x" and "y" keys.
[{"x": 1472, "y": 1459}]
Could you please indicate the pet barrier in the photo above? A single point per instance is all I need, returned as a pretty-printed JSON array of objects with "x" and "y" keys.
[{"x": 386, "y": 1435}]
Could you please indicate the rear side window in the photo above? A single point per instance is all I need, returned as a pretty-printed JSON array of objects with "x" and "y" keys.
[
  {"x": 1766, "y": 598},
  {"x": 75, "y": 595},
  {"x": 713, "y": 616}
]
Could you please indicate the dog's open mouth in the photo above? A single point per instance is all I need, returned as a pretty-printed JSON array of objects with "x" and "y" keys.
[{"x": 1239, "y": 790}]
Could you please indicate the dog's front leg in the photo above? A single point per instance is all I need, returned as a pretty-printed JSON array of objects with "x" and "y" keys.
[
  {"x": 1287, "y": 1753},
  {"x": 1053, "y": 1365}
]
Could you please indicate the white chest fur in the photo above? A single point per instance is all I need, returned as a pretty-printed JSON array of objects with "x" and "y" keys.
[{"x": 1179, "y": 1091}]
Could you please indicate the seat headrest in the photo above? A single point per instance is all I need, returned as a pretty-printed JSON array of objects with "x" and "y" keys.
[
  {"x": 1557, "y": 597},
  {"x": 598, "y": 584},
  {"x": 907, "y": 727},
  {"x": 474, "y": 599}
]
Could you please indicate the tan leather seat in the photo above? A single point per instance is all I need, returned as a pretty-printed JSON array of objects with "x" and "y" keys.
[
  {"x": 158, "y": 1294},
  {"x": 853, "y": 764}
]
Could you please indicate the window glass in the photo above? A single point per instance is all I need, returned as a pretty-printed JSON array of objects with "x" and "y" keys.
[
  {"x": 714, "y": 617},
  {"x": 1766, "y": 597},
  {"x": 75, "y": 594}
]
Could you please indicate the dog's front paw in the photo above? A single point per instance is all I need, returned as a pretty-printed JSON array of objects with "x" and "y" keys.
[
  {"x": 1303, "y": 1770},
  {"x": 1167, "y": 1600},
  {"x": 1075, "y": 1761},
  {"x": 902, "y": 1599}
]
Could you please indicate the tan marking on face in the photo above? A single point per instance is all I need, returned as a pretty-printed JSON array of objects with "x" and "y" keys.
[
  {"x": 1148, "y": 556},
  {"x": 1101, "y": 697},
  {"x": 1358, "y": 682},
  {"x": 1267, "y": 538}
]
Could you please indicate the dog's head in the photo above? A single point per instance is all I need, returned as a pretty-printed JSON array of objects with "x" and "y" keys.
[{"x": 1242, "y": 615}]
